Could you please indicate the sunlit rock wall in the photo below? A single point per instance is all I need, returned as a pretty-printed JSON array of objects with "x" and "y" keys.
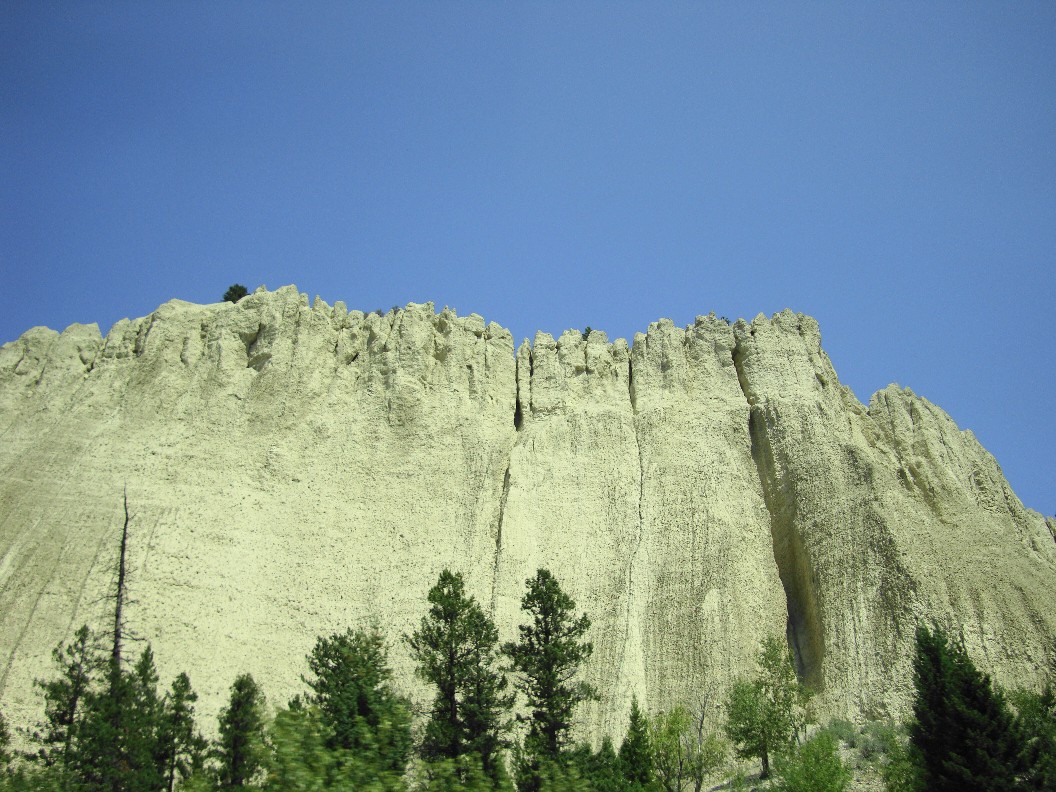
[{"x": 293, "y": 469}]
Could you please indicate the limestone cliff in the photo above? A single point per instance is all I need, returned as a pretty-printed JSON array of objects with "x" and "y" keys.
[{"x": 295, "y": 468}]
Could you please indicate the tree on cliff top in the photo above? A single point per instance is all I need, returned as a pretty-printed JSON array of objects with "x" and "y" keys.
[{"x": 235, "y": 292}]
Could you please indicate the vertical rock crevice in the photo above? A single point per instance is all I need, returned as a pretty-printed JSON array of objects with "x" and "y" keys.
[
  {"x": 629, "y": 618},
  {"x": 518, "y": 410},
  {"x": 804, "y": 631},
  {"x": 498, "y": 540}
]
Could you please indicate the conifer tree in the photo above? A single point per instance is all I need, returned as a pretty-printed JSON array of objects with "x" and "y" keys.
[
  {"x": 547, "y": 659},
  {"x": 235, "y": 292},
  {"x": 182, "y": 748},
  {"x": 1036, "y": 727},
  {"x": 455, "y": 647},
  {"x": 962, "y": 735},
  {"x": 602, "y": 769},
  {"x": 352, "y": 686},
  {"x": 636, "y": 752},
  {"x": 65, "y": 698},
  {"x": 5, "y": 741},
  {"x": 142, "y": 726},
  {"x": 240, "y": 748}
]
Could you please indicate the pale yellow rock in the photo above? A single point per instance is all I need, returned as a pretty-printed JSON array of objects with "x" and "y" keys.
[{"x": 294, "y": 468}]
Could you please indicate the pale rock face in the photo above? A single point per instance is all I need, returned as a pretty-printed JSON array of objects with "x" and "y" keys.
[{"x": 294, "y": 469}]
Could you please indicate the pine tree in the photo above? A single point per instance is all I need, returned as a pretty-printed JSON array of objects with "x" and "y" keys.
[
  {"x": 352, "y": 686},
  {"x": 235, "y": 292},
  {"x": 64, "y": 699},
  {"x": 602, "y": 769},
  {"x": 636, "y": 752},
  {"x": 1036, "y": 727},
  {"x": 142, "y": 727},
  {"x": 963, "y": 735},
  {"x": 5, "y": 742},
  {"x": 547, "y": 659},
  {"x": 182, "y": 748},
  {"x": 455, "y": 648},
  {"x": 241, "y": 745}
]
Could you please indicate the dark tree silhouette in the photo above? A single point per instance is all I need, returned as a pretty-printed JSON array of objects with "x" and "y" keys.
[
  {"x": 235, "y": 292},
  {"x": 455, "y": 647}
]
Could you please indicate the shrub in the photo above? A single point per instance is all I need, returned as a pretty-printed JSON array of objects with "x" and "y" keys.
[
  {"x": 235, "y": 292},
  {"x": 844, "y": 731},
  {"x": 815, "y": 767}
]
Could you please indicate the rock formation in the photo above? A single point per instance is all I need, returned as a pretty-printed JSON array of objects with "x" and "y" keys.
[{"x": 294, "y": 468}]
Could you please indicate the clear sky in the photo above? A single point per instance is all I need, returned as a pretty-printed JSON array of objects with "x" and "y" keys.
[{"x": 889, "y": 168}]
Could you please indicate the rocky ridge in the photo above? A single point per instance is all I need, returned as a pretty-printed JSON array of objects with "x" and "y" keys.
[{"x": 294, "y": 468}]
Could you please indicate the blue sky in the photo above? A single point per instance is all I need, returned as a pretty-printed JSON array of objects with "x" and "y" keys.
[{"x": 887, "y": 168}]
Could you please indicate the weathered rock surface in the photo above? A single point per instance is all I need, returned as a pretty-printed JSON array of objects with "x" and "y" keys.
[{"x": 296, "y": 468}]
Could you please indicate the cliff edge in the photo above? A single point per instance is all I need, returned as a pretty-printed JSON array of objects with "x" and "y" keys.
[{"x": 294, "y": 468}]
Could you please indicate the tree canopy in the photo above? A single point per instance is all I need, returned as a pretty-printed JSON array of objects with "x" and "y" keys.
[{"x": 455, "y": 648}]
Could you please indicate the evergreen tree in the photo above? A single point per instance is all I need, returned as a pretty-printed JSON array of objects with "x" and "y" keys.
[
  {"x": 235, "y": 292},
  {"x": 636, "y": 751},
  {"x": 1036, "y": 727},
  {"x": 182, "y": 748},
  {"x": 602, "y": 768},
  {"x": 352, "y": 688},
  {"x": 963, "y": 734},
  {"x": 64, "y": 700},
  {"x": 455, "y": 648},
  {"x": 547, "y": 658},
  {"x": 5, "y": 742},
  {"x": 119, "y": 750},
  {"x": 765, "y": 713},
  {"x": 240, "y": 748}
]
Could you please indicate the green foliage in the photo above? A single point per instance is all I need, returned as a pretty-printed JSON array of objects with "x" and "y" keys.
[
  {"x": 5, "y": 742},
  {"x": 1036, "y": 726},
  {"x": 182, "y": 748},
  {"x": 235, "y": 292},
  {"x": 241, "y": 747},
  {"x": 843, "y": 731},
  {"x": 455, "y": 648},
  {"x": 636, "y": 751},
  {"x": 547, "y": 658},
  {"x": 302, "y": 758},
  {"x": 64, "y": 699},
  {"x": 683, "y": 751},
  {"x": 815, "y": 767},
  {"x": 963, "y": 735},
  {"x": 118, "y": 745},
  {"x": 601, "y": 768},
  {"x": 464, "y": 774},
  {"x": 352, "y": 689},
  {"x": 561, "y": 776},
  {"x": 36, "y": 778},
  {"x": 765, "y": 713}
]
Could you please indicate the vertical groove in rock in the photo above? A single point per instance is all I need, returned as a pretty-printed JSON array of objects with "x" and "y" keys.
[
  {"x": 638, "y": 536},
  {"x": 804, "y": 629},
  {"x": 518, "y": 410},
  {"x": 498, "y": 540}
]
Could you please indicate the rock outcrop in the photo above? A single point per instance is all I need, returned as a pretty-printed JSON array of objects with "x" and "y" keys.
[{"x": 294, "y": 468}]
